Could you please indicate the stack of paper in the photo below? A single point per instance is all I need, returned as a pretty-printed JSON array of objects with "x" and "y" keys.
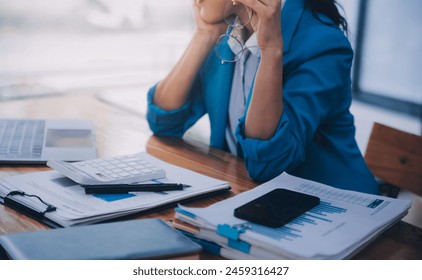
[
  {"x": 342, "y": 224},
  {"x": 71, "y": 206}
]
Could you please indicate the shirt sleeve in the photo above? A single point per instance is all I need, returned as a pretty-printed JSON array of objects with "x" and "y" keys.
[
  {"x": 316, "y": 84},
  {"x": 174, "y": 123}
]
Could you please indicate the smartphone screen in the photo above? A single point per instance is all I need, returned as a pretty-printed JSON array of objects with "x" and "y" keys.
[{"x": 276, "y": 208}]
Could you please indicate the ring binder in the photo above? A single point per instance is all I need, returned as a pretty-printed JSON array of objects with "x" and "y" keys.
[{"x": 12, "y": 203}]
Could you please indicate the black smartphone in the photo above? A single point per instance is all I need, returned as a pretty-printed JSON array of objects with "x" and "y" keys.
[{"x": 276, "y": 208}]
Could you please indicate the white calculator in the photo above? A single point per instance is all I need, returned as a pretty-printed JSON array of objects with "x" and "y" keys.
[{"x": 126, "y": 169}]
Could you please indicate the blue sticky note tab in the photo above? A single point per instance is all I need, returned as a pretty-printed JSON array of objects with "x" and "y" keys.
[
  {"x": 228, "y": 231},
  {"x": 186, "y": 213},
  {"x": 114, "y": 197},
  {"x": 239, "y": 245}
]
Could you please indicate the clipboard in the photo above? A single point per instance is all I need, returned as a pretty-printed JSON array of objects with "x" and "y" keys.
[
  {"x": 40, "y": 215},
  {"x": 57, "y": 201}
]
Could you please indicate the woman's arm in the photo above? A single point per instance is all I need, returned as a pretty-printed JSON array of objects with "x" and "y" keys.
[
  {"x": 316, "y": 97},
  {"x": 172, "y": 91},
  {"x": 266, "y": 105}
]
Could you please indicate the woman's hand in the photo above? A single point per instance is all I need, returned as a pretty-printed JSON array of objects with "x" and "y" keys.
[
  {"x": 172, "y": 92},
  {"x": 266, "y": 22},
  {"x": 214, "y": 30}
]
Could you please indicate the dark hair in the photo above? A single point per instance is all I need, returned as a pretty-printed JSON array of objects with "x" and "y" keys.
[{"x": 328, "y": 8}]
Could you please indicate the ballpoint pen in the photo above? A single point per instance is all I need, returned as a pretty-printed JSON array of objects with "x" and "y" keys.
[{"x": 126, "y": 188}]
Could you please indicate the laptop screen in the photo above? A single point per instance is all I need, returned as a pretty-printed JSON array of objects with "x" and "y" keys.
[{"x": 69, "y": 138}]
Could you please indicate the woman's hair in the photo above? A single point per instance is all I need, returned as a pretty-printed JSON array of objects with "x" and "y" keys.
[{"x": 328, "y": 8}]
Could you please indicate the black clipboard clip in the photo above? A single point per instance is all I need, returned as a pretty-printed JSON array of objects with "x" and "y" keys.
[{"x": 20, "y": 207}]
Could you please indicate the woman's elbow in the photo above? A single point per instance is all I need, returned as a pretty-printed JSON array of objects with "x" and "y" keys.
[{"x": 262, "y": 171}]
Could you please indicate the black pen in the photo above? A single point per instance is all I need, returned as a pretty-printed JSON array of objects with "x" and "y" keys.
[{"x": 126, "y": 188}]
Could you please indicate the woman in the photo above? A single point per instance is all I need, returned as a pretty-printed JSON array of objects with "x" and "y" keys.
[{"x": 281, "y": 100}]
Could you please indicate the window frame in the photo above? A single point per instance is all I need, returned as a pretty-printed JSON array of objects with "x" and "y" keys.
[{"x": 375, "y": 98}]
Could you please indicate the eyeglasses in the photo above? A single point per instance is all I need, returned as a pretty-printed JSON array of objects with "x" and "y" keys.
[
  {"x": 229, "y": 47},
  {"x": 232, "y": 38}
]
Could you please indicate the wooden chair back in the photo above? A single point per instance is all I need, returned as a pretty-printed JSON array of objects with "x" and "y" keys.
[{"x": 395, "y": 157}]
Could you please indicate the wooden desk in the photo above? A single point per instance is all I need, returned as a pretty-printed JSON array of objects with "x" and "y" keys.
[{"x": 119, "y": 132}]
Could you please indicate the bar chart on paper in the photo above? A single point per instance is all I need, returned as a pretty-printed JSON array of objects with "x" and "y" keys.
[
  {"x": 320, "y": 218},
  {"x": 342, "y": 223},
  {"x": 293, "y": 230},
  {"x": 356, "y": 199}
]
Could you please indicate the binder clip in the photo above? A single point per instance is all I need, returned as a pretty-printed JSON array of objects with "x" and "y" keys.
[
  {"x": 232, "y": 235},
  {"x": 20, "y": 207}
]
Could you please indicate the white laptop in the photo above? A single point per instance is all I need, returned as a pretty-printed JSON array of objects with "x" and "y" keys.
[{"x": 38, "y": 140}]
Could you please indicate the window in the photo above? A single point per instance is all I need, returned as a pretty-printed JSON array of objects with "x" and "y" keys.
[
  {"x": 388, "y": 55},
  {"x": 59, "y": 46}
]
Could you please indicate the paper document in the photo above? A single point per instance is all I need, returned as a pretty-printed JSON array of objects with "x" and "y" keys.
[
  {"x": 337, "y": 228},
  {"x": 74, "y": 207}
]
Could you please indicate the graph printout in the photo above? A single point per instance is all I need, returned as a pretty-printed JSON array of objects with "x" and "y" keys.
[{"x": 343, "y": 221}]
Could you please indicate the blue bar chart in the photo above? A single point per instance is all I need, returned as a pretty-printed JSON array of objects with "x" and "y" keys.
[{"x": 291, "y": 231}]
